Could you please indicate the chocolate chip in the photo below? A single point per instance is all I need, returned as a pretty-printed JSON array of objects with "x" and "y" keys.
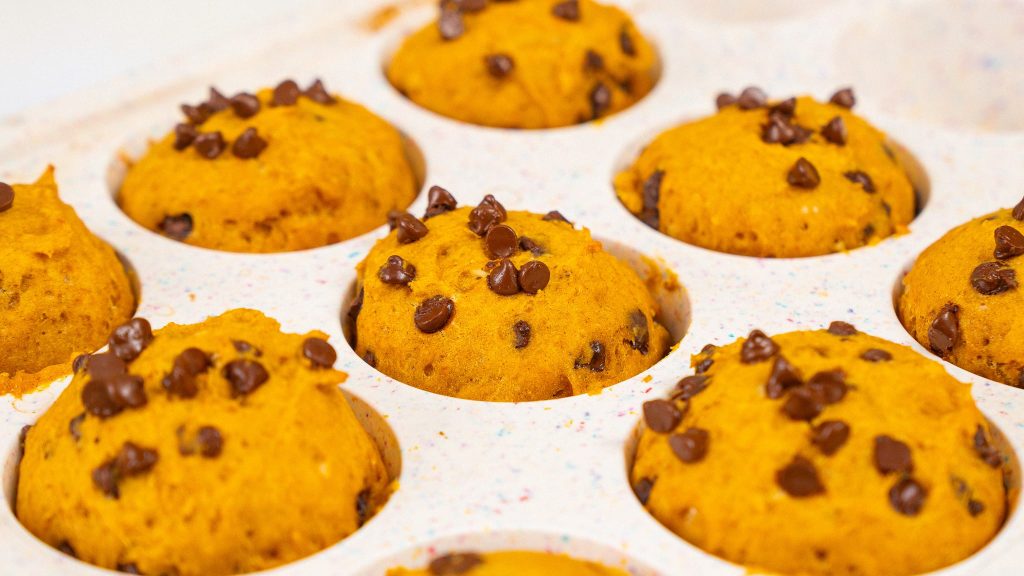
[
  {"x": 105, "y": 366},
  {"x": 690, "y": 446},
  {"x": 244, "y": 376},
  {"x": 209, "y": 145},
  {"x": 184, "y": 135},
  {"x": 690, "y": 386},
  {"x": 488, "y": 213},
  {"x": 597, "y": 358},
  {"x": 785, "y": 108},
  {"x": 782, "y": 377},
  {"x": 567, "y": 10},
  {"x": 640, "y": 334},
  {"x": 1018, "y": 211},
  {"x": 704, "y": 365},
  {"x": 891, "y": 456},
  {"x": 521, "y": 330},
  {"x": 449, "y": 23},
  {"x": 650, "y": 213},
  {"x": 319, "y": 352},
  {"x": 804, "y": 175},
  {"x": 757, "y": 348},
  {"x": 831, "y": 384},
  {"x": 600, "y": 100},
  {"x": 410, "y": 228},
  {"x": 528, "y": 245},
  {"x": 318, "y": 93},
  {"x": 974, "y": 507},
  {"x": 134, "y": 460},
  {"x": 217, "y": 101},
  {"x": 803, "y": 403},
  {"x": 98, "y": 401},
  {"x": 840, "y": 328},
  {"x": 555, "y": 216},
  {"x": 210, "y": 441},
  {"x": 799, "y": 478},
  {"x": 439, "y": 201},
  {"x": 196, "y": 115},
  {"x": 128, "y": 568},
  {"x": 187, "y": 365},
  {"x": 370, "y": 358},
  {"x": 65, "y": 547},
  {"x": 503, "y": 278},
  {"x": 501, "y": 241},
  {"x": 752, "y": 97},
  {"x": 534, "y": 276},
  {"x": 499, "y": 65},
  {"x": 830, "y": 435},
  {"x": 245, "y": 105},
  {"x": 626, "y": 42},
  {"x": 876, "y": 355},
  {"x": 472, "y": 5},
  {"x": 858, "y": 177},
  {"x": 454, "y": 564},
  {"x": 992, "y": 278},
  {"x": 75, "y": 426},
  {"x": 724, "y": 99},
  {"x": 396, "y": 271},
  {"x": 433, "y": 314},
  {"x": 363, "y": 506},
  {"x": 661, "y": 416},
  {"x": 985, "y": 450},
  {"x": 128, "y": 340},
  {"x": 944, "y": 331},
  {"x": 835, "y": 131},
  {"x": 127, "y": 391},
  {"x": 593, "y": 61},
  {"x": 104, "y": 477},
  {"x": 1009, "y": 243},
  {"x": 79, "y": 363},
  {"x": 778, "y": 131},
  {"x": 285, "y": 94},
  {"x": 22, "y": 437},
  {"x": 178, "y": 226},
  {"x": 642, "y": 489},
  {"x": 248, "y": 145},
  {"x": 907, "y": 496},
  {"x": 844, "y": 98}
]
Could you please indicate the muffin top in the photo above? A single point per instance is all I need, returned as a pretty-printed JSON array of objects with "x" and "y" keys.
[
  {"x": 961, "y": 300},
  {"x": 164, "y": 454},
  {"x": 283, "y": 169},
  {"x": 490, "y": 304},
  {"x": 786, "y": 178},
  {"x": 62, "y": 289},
  {"x": 503, "y": 563},
  {"x": 525, "y": 64},
  {"x": 876, "y": 458}
]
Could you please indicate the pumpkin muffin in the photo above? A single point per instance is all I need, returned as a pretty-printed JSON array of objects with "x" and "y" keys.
[
  {"x": 877, "y": 459},
  {"x": 489, "y": 304},
  {"x": 283, "y": 169},
  {"x": 62, "y": 289},
  {"x": 164, "y": 455},
  {"x": 511, "y": 563},
  {"x": 784, "y": 179},
  {"x": 961, "y": 299},
  {"x": 525, "y": 64}
]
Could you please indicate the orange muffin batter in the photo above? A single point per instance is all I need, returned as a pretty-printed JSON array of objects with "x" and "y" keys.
[{"x": 508, "y": 563}]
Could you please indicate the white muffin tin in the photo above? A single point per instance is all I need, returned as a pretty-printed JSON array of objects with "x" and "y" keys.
[{"x": 945, "y": 79}]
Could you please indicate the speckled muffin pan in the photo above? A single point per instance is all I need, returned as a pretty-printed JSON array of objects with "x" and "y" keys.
[{"x": 943, "y": 79}]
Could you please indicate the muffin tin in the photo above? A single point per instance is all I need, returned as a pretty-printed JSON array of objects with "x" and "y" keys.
[{"x": 552, "y": 475}]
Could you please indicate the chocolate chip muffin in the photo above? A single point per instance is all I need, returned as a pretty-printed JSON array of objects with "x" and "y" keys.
[
  {"x": 520, "y": 563},
  {"x": 499, "y": 305},
  {"x": 785, "y": 178},
  {"x": 960, "y": 299},
  {"x": 822, "y": 452},
  {"x": 216, "y": 448},
  {"x": 282, "y": 169},
  {"x": 525, "y": 64},
  {"x": 62, "y": 289}
]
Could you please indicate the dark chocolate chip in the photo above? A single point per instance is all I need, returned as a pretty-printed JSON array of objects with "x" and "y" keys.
[
  {"x": 804, "y": 175},
  {"x": 196, "y": 115},
  {"x": 555, "y": 216},
  {"x": 1018, "y": 211},
  {"x": 985, "y": 450},
  {"x": 210, "y": 441},
  {"x": 248, "y": 145},
  {"x": 650, "y": 214},
  {"x": 98, "y": 401},
  {"x": 128, "y": 340},
  {"x": 521, "y": 331},
  {"x": 757, "y": 348},
  {"x": 439, "y": 201},
  {"x": 318, "y": 93},
  {"x": 991, "y": 278},
  {"x": 690, "y": 446},
  {"x": 285, "y": 94},
  {"x": 876, "y": 355},
  {"x": 534, "y": 276},
  {"x": 752, "y": 97},
  {"x": 244, "y": 376},
  {"x": 79, "y": 363},
  {"x": 567, "y": 10},
  {"x": 245, "y": 105},
  {"x": 209, "y": 145},
  {"x": 363, "y": 506},
  {"x": 499, "y": 65},
  {"x": 193, "y": 361},
  {"x": 65, "y": 547},
  {"x": 75, "y": 426},
  {"x": 128, "y": 568},
  {"x": 501, "y": 241},
  {"x": 844, "y": 98},
  {"x": 597, "y": 358},
  {"x": 831, "y": 384},
  {"x": 891, "y": 456},
  {"x": 105, "y": 366},
  {"x": 799, "y": 478},
  {"x": 184, "y": 136},
  {"x": 642, "y": 489},
  {"x": 944, "y": 332},
  {"x": 858, "y": 177},
  {"x": 370, "y": 358},
  {"x": 690, "y": 386},
  {"x": 488, "y": 213},
  {"x": 22, "y": 437},
  {"x": 661, "y": 416},
  {"x": 593, "y": 61},
  {"x": 974, "y": 507},
  {"x": 830, "y": 435},
  {"x": 803, "y": 403},
  {"x": 640, "y": 334},
  {"x": 134, "y": 459},
  {"x": 784, "y": 108},
  {"x": 1009, "y": 243},
  {"x": 187, "y": 365},
  {"x": 778, "y": 131},
  {"x": 835, "y": 131},
  {"x": 907, "y": 496},
  {"x": 319, "y": 352},
  {"x": 449, "y": 23},
  {"x": 472, "y": 5},
  {"x": 127, "y": 391},
  {"x": 433, "y": 314},
  {"x": 724, "y": 99},
  {"x": 410, "y": 228},
  {"x": 704, "y": 365},
  {"x": 104, "y": 477},
  {"x": 528, "y": 245},
  {"x": 503, "y": 278},
  {"x": 217, "y": 101},
  {"x": 177, "y": 226},
  {"x": 782, "y": 377},
  {"x": 454, "y": 564},
  {"x": 626, "y": 42},
  {"x": 396, "y": 271},
  {"x": 600, "y": 100},
  {"x": 840, "y": 328}
]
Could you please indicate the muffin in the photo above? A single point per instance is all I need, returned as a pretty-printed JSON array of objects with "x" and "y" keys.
[
  {"x": 164, "y": 455},
  {"x": 786, "y": 178},
  {"x": 511, "y": 563},
  {"x": 959, "y": 298},
  {"x": 876, "y": 458},
  {"x": 489, "y": 304},
  {"x": 283, "y": 169},
  {"x": 525, "y": 64},
  {"x": 62, "y": 289}
]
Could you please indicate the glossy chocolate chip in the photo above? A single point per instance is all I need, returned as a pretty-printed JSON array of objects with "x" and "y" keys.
[
  {"x": 642, "y": 489},
  {"x": 752, "y": 97},
  {"x": 803, "y": 403},
  {"x": 501, "y": 241},
  {"x": 245, "y": 105},
  {"x": 184, "y": 136},
  {"x": 98, "y": 401},
  {"x": 799, "y": 478},
  {"x": 449, "y": 23},
  {"x": 370, "y": 358},
  {"x": 758, "y": 347},
  {"x": 503, "y": 278},
  {"x": 944, "y": 332},
  {"x": 285, "y": 94},
  {"x": 128, "y": 568},
  {"x": 319, "y": 352},
  {"x": 778, "y": 131},
  {"x": 244, "y": 376},
  {"x": 363, "y": 506},
  {"x": 499, "y": 65},
  {"x": 410, "y": 228},
  {"x": 217, "y": 101},
  {"x": 567, "y": 10},
  {"x": 555, "y": 216},
  {"x": 1009, "y": 243},
  {"x": 830, "y": 384},
  {"x": 127, "y": 390},
  {"x": 196, "y": 115},
  {"x": 528, "y": 245},
  {"x": 640, "y": 334},
  {"x": 704, "y": 365},
  {"x": 128, "y": 340},
  {"x": 534, "y": 276},
  {"x": 210, "y": 441},
  {"x": 724, "y": 99},
  {"x": 177, "y": 226},
  {"x": 318, "y": 93},
  {"x": 187, "y": 365},
  {"x": 782, "y": 377},
  {"x": 433, "y": 314},
  {"x": 597, "y": 358},
  {"x": 488, "y": 213},
  {"x": 600, "y": 100},
  {"x": 75, "y": 426},
  {"x": 66, "y": 548},
  {"x": 840, "y": 328},
  {"x": 593, "y": 61},
  {"x": 690, "y": 446},
  {"x": 844, "y": 98},
  {"x": 785, "y": 108},
  {"x": 876, "y": 355},
  {"x": 858, "y": 177},
  {"x": 104, "y": 477},
  {"x": 830, "y": 435},
  {"x": 650, "y": 214},
  {"x": 396, "y": 271},
  {"x": 105, "y": 366},
  {"x": 248, "y": 145},
  {"x": 835, "y": 131},
  {"x": 209, "y": 145},
  {"x": 454, "y": 564},
  {"x": 134, "y": 459},
  {"x": 907, "y": 496},
  {"x": 985, "y": 450},
  {"x": 626, "y": 43},
  {"x": 439, "y": 201},
  {"x": 521, "y": 331},
  {"x": 892, "y": 456},
  {"x": 1018, "y": 211},
  {"x": 661, "y": 416},
  {"x": 991, "y": 278},
  {"x": 803, "y": 175},
  {"x": 690, "y": 386}
]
